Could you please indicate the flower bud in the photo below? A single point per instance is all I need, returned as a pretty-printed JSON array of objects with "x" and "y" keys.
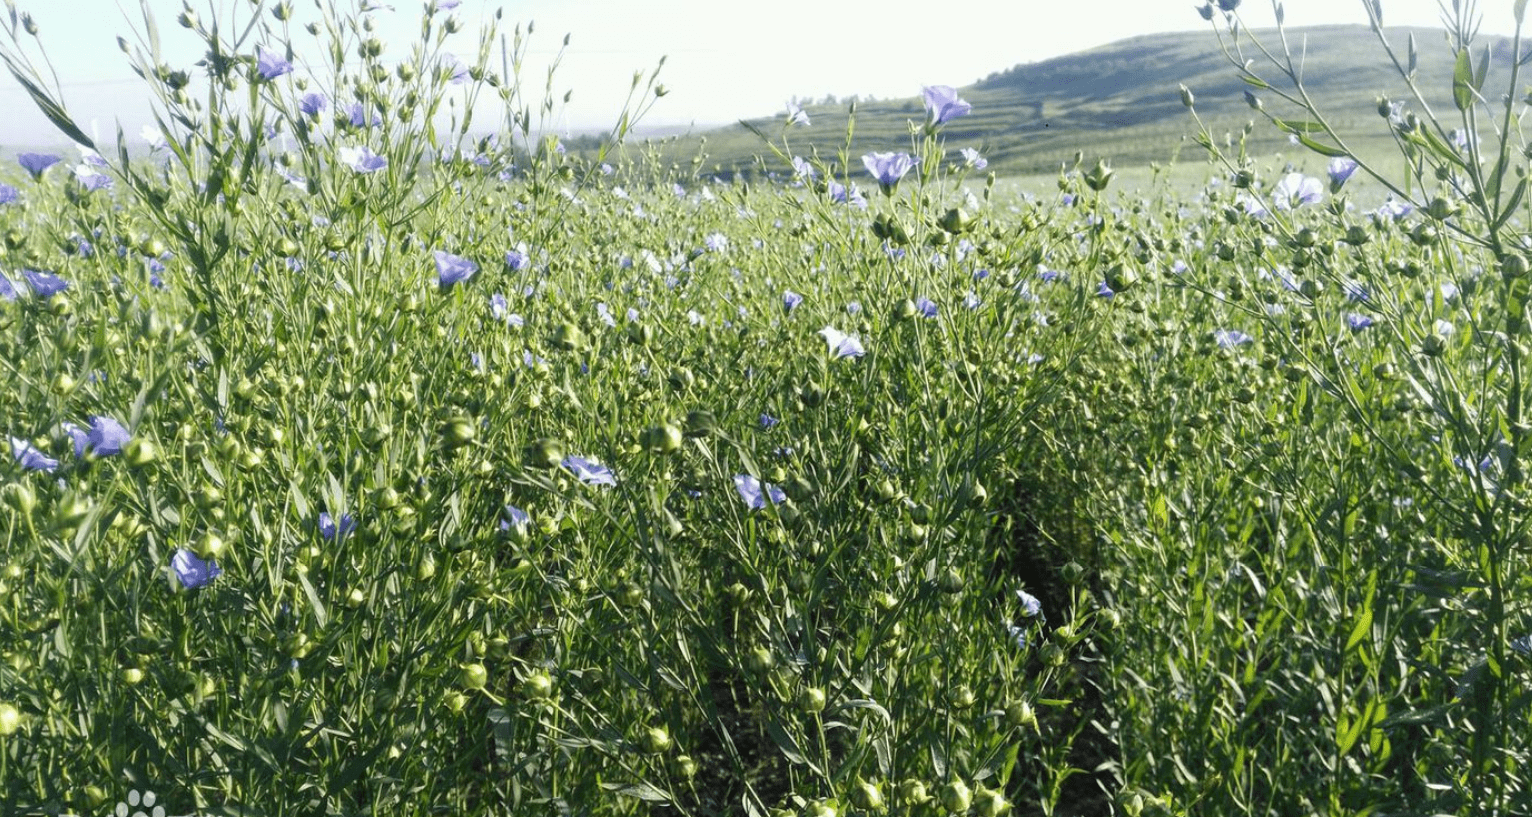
[
  {"x": 10, "y": 719},
  {"x": 1187, "y": 98}
]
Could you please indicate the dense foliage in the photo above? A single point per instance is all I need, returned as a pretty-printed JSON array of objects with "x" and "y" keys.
[{"x": 358, "y": 466}]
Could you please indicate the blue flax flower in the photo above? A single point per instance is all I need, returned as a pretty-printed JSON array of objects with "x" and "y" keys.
[
  {"x": 926, "y": 307},
  {"x": 943, "y": 105},
  {"x": 7, "y": 289},
  {"x": 312, "y": 103},
  {"x": 8, "y": 194},
  {"x": 889, "y": 168},
  {"x": 1296, "y": 190},
  {"x": 36, "y": 163},
  {"x": 790, "y": 300},
  {"x": 271, "y": 64},
  {"x": 451, "y": 269},
  {"x": 104, "y": 438},
  {"x": 1230, "y": 338},
  {"x": 193, "y": 571},
  {"x": 972, "y": 158},
  {"x": 515, "y": 518},
  {"x": 330, "y": 528},
  {"x": 1340, "y": 169},
  {"x": 362, "y": 159},
  {"x": 1030, "y": 606},
  {"x": 842, "y": 344},
  {"x": 590, "y": 472},
  {"x": 44, "y": 284},
  {"x": 796, "y": 115},
  {"x": 840, "y": 194},
  {"x": 30, "y": 458},
  {"x": 1357, "y": 322},
  {"x": 755, "y": 493}
]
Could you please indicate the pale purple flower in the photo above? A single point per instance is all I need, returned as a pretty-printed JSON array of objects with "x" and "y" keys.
[
  {"x": 1230, "y": 338},
  {"x": 972, "y": 158},
  {"x": 889, "y": 168},
  {"x": 796, "y": 115},
  {"x": 1522, "y": 645},
  {"x": 456, "y": 71},
  {"x": 312, "y": 103},
  {"x": 1031, "y": 607},
  {"x": 452, "y": 269},
  {"x": 841, "y": 195},
  {"x": 971, "y": 301},
  {"x": 36, "y": 163},
  {"x": 331, "y": 528},
  {"x": 362, "y": 159},
  {"x": 1105, "y": 291},
  {"x": 590, "y": 472},
  {"x": 1394, "y": 210},
  {"x": 926, "y": 307},
  {"x": 1357, "y": 322},
  {"x": 192, "y": 570},
  {"x": 357, "y": 115},
  {"x": 514, "y": 517},
  {"x": 271, "y": 64},
  {"x": 1019, "y": 634},
  {"x": 1296, "y": 190},
  {"x": 104, "y": 438},
  {"x": 1340, "y": 169},
  {"x": 802, "y": 169},
  {"x": 716, "y": 242},
  {"x": 447, "y": 5},
  {"x": 1251, "y": 205},
  {"x": 767, "y": 421},
  {"x": 842, "y": 344},
  {"x": 91, "y": 177},
  {"x": 30, "y": 458},
  {"x": 517, "y": 260},
  {"x": 498, "y": 307},
  {"x": 44, "y": 284},
  {"x": 790, "y": 300},
  {"x": 943, "y": 104},
  {"x": 8, "y": 194},
  {"x": 8, "y": 289},
  {"x": 755, "y": 493}
]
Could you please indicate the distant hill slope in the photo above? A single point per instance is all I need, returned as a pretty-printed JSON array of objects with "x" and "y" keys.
[{"x": 1122, "y": 101}]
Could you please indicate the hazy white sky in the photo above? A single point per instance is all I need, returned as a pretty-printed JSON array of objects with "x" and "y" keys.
[{"x": 726, "y": 59}]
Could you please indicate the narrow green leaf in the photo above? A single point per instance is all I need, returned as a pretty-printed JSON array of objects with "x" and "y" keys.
[
  {"x": 1255, "y": 81},
  {"x": 1299, "y": 126},
  {"x": 1321, "y": 148},
  {"x": 1363, "y": 625},
  {"x": 1510, "y": 206},
  {"x": 785, "y": 742},
  {"x": 1462, "y": 80},
  {"x": 1520, "y": 10},
  {"x": 642, "y": 791},
  {"x": 1481, "y": 71}
]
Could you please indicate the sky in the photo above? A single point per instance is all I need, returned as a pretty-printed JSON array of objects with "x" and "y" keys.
[{"x": 724, "y": 60}]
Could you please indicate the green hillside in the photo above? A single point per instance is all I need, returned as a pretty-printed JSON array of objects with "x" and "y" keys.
[{"x": 1122, "y": 101}]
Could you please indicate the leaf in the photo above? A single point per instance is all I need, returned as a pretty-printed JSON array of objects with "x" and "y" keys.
[
  {"x": 1520, "y": 10},
  {"x": 1510, "y": 206},
  {"x": 1462, "y": 80},
  {"x": 1298, "y": 126},
  {"x": 1363, "y": 625},
  {"x": 1255, "y": 81},
  {"x": 1321, "y": 148},
  {"x": 51, "y": 109},
  {"x": 1414, "y": 59},
  {"x": 785, "y": 742},
  {"x": 643, "y": 791}
]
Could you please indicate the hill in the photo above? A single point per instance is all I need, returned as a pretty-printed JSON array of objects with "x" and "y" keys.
[{"x": 1122, "y": 101}]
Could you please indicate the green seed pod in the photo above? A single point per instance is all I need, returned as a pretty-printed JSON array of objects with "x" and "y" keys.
[
  {"x": 655, "y": 740},
  {"x": 955, "y": 797},
  {"x": 701, "y": 423},
  {"x": 811, "y": 700},
  {"x": 546, "y": 452},
  {"x": 473, "y": 676},
  {"x": 538, "y": 686},
  {"x": 867, "y": 796},
  {"x": 10, "y": 719},
  {"x": 989, "y": 803}
]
